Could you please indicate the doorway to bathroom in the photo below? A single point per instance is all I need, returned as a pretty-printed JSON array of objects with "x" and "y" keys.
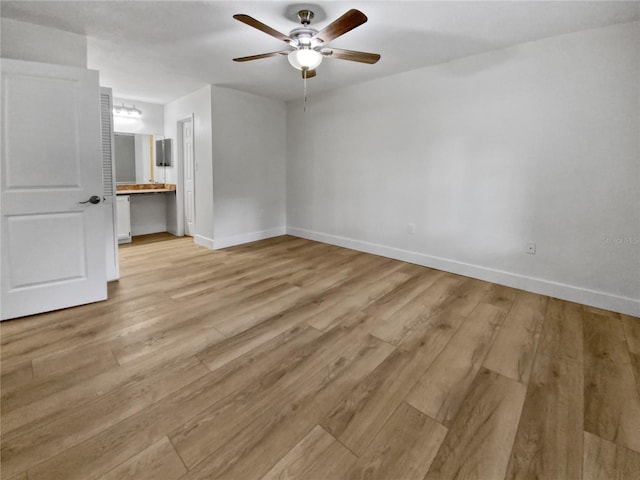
[{"x": 185, "y": 129}]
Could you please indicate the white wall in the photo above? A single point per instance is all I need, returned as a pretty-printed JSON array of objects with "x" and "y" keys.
[
  {"x": 538, "y": 142},
  {"x": 149, "y": 212},
  {"x": 34, "y": 43},
  {"x": 249, "y": 162},
  {"x": 240, "y": 158},
  {"x": 197, "y": 104}
]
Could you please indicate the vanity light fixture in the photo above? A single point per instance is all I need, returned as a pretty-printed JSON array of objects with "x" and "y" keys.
[{"x": 123, "y": 111}]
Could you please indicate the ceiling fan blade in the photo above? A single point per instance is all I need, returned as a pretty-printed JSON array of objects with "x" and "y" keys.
[
  {"x": 262, "y": 55},
  {"x": 352, "y": 55},
  {"x": 252, "y": 22},
  {"x": 347, "y": 22},
  {"x": 308, "y": 73}
]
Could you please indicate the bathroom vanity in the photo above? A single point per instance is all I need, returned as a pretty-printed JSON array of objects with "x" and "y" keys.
[
  {"x": 142, "y": 208},
  {"x": 145, "y": 202}
]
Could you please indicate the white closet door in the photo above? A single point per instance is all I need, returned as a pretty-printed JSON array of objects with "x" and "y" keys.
[
  {"x": 109, "y": 184},
  {"x": 52, "y": 245}
]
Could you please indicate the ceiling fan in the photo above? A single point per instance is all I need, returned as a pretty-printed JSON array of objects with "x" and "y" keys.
[{"x": 309, "y": 44}]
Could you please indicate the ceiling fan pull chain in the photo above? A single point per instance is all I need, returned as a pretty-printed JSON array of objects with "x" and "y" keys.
[{"x": 304, "y": 78}]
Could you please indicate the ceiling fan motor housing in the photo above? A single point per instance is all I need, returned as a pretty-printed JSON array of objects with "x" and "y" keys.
[{"x": 303, "y": 37}]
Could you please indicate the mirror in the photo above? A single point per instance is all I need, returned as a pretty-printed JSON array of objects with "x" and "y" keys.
[{"x": 135, "y": 158}]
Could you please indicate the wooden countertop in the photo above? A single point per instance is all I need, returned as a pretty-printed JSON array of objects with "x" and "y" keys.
[{"x": 137, "y": 188}]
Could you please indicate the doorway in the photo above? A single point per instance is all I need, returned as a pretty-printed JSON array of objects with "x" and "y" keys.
[{"x": 185, "y": 128}]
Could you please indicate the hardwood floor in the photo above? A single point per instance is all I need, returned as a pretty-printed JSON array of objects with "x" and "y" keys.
[{"x": 291, "y": 359}]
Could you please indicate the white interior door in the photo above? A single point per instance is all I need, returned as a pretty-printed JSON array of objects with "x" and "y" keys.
[
  {"x": 51, "y": 245},
  {"x": 189, "y": 180}
]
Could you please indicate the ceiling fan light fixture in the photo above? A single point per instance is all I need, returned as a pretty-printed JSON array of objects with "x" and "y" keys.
[{"x": 305, "y": 59}]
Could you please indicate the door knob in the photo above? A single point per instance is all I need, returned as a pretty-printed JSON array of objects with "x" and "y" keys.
[{"x": 93, "y": 200}]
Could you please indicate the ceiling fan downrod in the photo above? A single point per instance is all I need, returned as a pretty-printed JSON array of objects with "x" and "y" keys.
[{"x": 305, "y": 17}]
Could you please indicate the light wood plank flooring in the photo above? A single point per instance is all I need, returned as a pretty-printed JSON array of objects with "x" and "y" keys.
[{"x": 291, "y": 359}]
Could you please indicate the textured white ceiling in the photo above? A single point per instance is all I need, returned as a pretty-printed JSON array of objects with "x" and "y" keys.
[{"x": 157, "y": 51}]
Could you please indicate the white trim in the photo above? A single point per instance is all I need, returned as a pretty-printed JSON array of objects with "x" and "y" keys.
[
  {"x": 203, "y": 241},
  {"x": 181, "y": 205},
  {"x": 607, "y": 301},
  {"x": 248, "y": 237}
]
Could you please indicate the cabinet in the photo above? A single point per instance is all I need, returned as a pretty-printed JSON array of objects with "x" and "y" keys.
[{"x": 124, "y": 219}]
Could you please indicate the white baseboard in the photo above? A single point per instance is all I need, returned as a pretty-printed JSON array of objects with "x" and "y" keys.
[
  {"x": 629, "y": 306},
  {"x": 203, "y": 241},
  {"x": 233, "y": 240}
]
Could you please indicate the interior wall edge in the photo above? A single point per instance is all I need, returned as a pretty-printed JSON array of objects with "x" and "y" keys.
[
  {"x": 572, "y": 293},
  {"x": 203, "y": 241},
  {"x": 240, "y": 239}
]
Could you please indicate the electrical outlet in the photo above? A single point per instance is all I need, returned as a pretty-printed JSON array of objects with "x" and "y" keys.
[
  {"x": 531, "y": 248},
  {"x": 411, "y": 228}
]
